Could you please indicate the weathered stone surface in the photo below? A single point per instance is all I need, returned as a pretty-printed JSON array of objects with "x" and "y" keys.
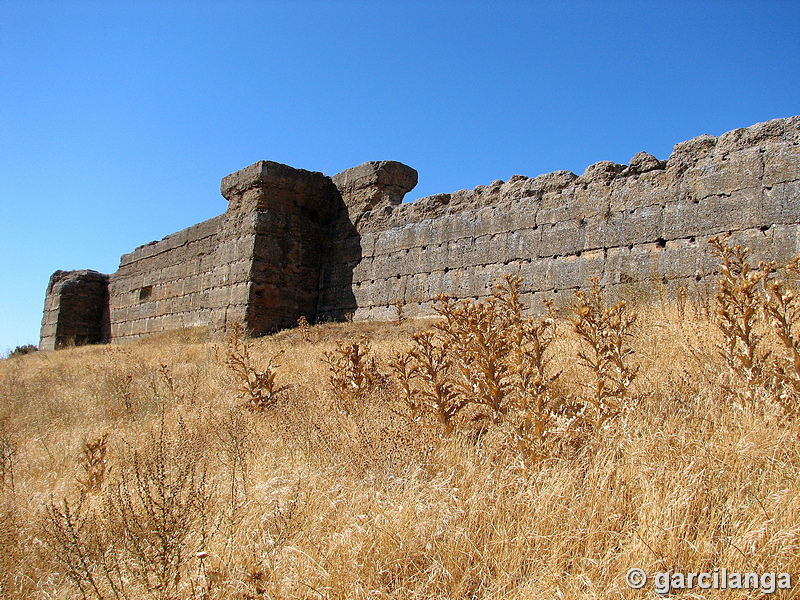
[
  {"x": 374, "y": 185},
  {"x": 295, "y": 242},
  {"x": 76, "y": 310}
]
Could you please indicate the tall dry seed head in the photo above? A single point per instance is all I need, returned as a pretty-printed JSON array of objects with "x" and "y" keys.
[
  {"x": 425, "y": 375},
  {"x": 488, "y": 355},
  {"x": 304, "y": 328},
  {"x": 604, "y": 331},
  {"x": 782, "y": 312},
  {"x": 352, "y": 372},
  {"x": 8, "y": 453},
  {"x": 256, "y": 387},
  {"x": 536, "y": 411},
  {"x": 94, "y": 464},
  {"x": 476, "y": 335},
  {"x": 738, "y": 307}
]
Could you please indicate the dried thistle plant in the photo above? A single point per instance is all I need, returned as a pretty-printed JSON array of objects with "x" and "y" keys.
[
  {"x": 257, "y": 387},
  {"x": 782, "y": 312},
  {"x": 400, "y": 308},
  {"x": 304, "y": 327},
  {"x": 351, "y": 372},
  {"x": 425, "y": 374},
  {"x": 604, "y": 331},
  {"x": 475, "y": 334},
  {"x": 485, "y": 354},
  {"x": 94, "y": 465},
  {"x": 535, "y": 407},
  {"x": 738, "y": 306}
]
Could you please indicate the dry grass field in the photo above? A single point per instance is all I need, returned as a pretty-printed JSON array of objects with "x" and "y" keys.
[{"x": 494, "y": 456}]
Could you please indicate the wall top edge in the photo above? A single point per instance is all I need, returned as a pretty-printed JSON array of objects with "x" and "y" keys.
[
  {"x": 192, "y": 233},
  {"x": 606, "y": 173},
  {"x": 266, "y": 172}
]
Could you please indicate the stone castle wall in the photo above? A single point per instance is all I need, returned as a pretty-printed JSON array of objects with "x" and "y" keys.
[
  {"x": 295, "y": 243},
  {"x": 167, "y": 284},
  {"x": 75, "y": 310},
  {"x": 629, "y": 225}
]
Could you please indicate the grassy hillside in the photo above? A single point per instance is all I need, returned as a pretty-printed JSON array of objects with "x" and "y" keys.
[{"x": 494, "y": 457}]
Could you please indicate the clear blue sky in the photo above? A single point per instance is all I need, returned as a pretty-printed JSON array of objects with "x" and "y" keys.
[{"x": 118, "y": 119}]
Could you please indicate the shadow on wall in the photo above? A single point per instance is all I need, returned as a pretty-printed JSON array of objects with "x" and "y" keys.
[{"x": 361, "y": 193}]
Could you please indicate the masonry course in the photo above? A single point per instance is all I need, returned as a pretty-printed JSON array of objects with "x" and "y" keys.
[{"x": 298, "y": 243}]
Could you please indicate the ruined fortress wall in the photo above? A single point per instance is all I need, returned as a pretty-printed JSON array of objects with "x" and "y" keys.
[
  {"x": 167, "y": 284},
  {"x": 285, "y": 213},
  {"x": 75, "y": 310},
  {"x": 630, "y": 225},
  {"x": 258, "y": 263},
  {"x": 298, "y": 243}
]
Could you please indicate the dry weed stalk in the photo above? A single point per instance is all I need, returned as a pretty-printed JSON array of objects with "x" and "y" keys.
[
  {"x": 159, "y": 509},
  {"x": 235, "y": 436},
  {"x": 536, "y": 408},
  {"x": 430, "y": 363},
  {"x": 305, "y": 328},
  {"x": 8, "y": 453},
  {"x": 351, "y": 372},
  {"x": 782, "y": 312},
  {"x": 681, "y": 296},
  {"x": 605, "y": 330},
  {"x": 400, "y": 308},
  {"x": 121, "y": 382},
  {"x": 93, "y": 462},
  {"x": 71, "y": 534},
  {"x": 173, "y": 393},
  {"x": 738, "y": 305},
  {"x": 257, "y": 388}
]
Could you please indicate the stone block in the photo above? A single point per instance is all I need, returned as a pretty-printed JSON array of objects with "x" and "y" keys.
[
  {"x": 560, "y": 239},
  {"x": 523, "y": 213},
  {"x": 680, "y": 259},
  {"x": 680, "y": 220},
  {"x": 781, "y": 203},
  {"x": 641, "y": 225},
  {"x": 590, "y": 198},
  {"x": 525, "y": 243},
  {"x": 461, "y": 253},
  {"x": 781, "y": 163},
  {"x": 723, "y": 174},
  {"x": 372, "y": 185},
  {"x": 452, "y": 227},
  {"x": 568, "y": 272},
  {"x": 537, "y": 274},
  {"x": 558, "y": 206},
  {"x": 785, "y": 243},
  {"x": 421, "y": 287},
  {"x": 714, "y": 214},
  {"x": 647, "y": 189}
]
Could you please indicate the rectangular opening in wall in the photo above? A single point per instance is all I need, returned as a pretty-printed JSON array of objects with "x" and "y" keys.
[{"x": 145, "y": 293}]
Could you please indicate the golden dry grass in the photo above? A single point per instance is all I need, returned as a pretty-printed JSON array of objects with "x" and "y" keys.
[{"x": 311, "y": 499}]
